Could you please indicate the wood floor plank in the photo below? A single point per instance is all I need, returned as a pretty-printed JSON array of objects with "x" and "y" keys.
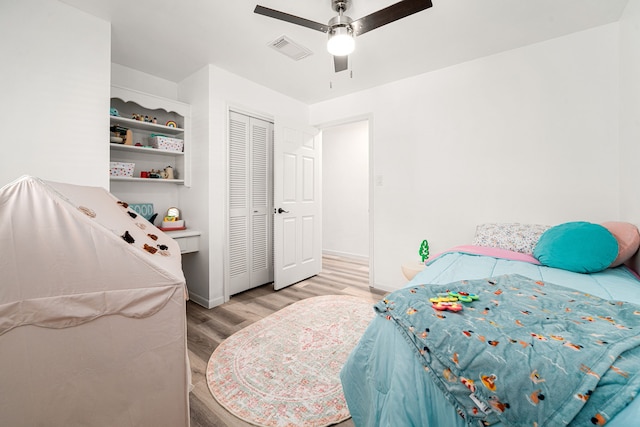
[{"x": 207, "y": 328}]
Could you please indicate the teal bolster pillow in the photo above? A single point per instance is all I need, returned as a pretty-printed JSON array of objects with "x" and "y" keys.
[{"x": 582, "y": 247}]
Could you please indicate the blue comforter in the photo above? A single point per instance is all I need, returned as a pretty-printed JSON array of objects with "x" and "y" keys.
[
  {"x": 525, "y": 352},
  {"x": 386, "y": 383}
]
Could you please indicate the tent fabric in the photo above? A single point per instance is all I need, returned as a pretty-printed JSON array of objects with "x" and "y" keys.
[
  {"x": 72, "y": 310},
  {"x": 92, "y": 311}
]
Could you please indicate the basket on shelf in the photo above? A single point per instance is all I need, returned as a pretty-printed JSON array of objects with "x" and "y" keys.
[
  {"x": 162, "y": 142},
  {"x": 121, "y": 169}
]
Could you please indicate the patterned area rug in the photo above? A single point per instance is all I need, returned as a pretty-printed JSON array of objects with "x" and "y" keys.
[{"x": 284, "y": 369}]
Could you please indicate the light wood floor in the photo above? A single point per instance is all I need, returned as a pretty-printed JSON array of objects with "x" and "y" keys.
[{"x": 206, "y": 329}]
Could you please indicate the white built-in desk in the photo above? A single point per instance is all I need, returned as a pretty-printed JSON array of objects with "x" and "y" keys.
[{"x": 188, "y": 240}]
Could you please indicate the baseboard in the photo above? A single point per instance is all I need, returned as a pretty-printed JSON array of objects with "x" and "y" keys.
[
  {"x": 206, "y": 303},
  {"x": 387, "y": 287},
  {"x": 345, "y": 255}
]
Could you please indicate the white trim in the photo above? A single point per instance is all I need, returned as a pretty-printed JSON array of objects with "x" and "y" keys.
[
  {"x": 371, "y": 210},
  {"x": 200, "y": 300},
  {"x": 248, "y": 112},
  {"x": 226, "y": 278}
]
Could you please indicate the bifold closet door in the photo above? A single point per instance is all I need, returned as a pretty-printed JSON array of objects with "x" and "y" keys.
[{"x": 250, "y": 202}]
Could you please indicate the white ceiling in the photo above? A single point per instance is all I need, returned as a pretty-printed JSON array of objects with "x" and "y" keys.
[{"x": 172, "y": 39}]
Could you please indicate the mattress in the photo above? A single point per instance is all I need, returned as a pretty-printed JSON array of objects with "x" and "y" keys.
[{"x": 384, "y": 382}]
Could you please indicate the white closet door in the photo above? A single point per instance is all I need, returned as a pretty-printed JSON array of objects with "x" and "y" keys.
[
  {"x": 261, "y": 196},
  {"x": 239, "y": 260},
  {"x": 250, "y": 195}
]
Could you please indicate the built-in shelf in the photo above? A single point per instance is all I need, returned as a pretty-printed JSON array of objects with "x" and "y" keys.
[
  {"x": 147, "y": 180},
  {"x": 128, "y": 103},
  {"x": 145, "y": 150},
  {"x": 147, "y": 126}
]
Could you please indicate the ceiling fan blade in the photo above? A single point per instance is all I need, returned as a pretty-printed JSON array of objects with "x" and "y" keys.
[
  {"x": 389, "y": 14},
  {"x": 340, "y": 63},
  {"x": 261, "y": 10}
]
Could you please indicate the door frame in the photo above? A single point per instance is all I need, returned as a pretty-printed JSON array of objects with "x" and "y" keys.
[{"x": 368, "y": 117}]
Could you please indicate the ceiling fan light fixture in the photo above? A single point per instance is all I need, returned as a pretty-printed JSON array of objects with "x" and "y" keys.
[
  {"x": 341, "y": 41},
  {"x": 342, "y": 29}
]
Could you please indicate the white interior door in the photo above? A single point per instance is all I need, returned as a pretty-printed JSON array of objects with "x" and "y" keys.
[{"x": 297, "y": 204}]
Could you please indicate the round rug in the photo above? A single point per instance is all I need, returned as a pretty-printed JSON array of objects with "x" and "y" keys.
[{"x": 284, "y": 370}]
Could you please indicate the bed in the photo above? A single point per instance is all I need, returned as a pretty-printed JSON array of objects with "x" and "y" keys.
[{"x": 541, "y": 346}]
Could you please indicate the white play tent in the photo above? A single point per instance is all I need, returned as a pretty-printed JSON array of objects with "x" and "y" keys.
[{"x": 92, "y": 327}]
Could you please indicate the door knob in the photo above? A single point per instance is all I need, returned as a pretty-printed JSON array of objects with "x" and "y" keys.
[{"x": 280, "y": 210}]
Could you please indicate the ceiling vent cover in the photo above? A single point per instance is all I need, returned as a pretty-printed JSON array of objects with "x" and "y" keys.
[{"x": 288, "y": 47}]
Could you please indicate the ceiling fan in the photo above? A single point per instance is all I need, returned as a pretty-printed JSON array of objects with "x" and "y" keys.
[{"x": 342, "y": 29}]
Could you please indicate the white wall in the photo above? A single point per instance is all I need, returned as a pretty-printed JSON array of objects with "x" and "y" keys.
[
  {"x": 345, "y": 190},
  {"x": 195, "y": 200},
  {"x": 630, "y": 112},
  {"x": 54, "y": 86},
  {"x": 528, "y": 135},
  {"x": 223, "y": 90},
  {"x": 144, "y": 82}
]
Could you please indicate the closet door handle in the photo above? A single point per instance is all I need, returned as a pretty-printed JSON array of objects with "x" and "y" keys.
[{"x": 280, "y": 210}]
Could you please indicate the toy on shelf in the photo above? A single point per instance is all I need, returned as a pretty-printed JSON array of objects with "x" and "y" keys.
[
  {"x": 171, "y": 124},
  {"x": 121, "y": 135},
  {"x": 424, "y": 250},
  {"x": 172, "y": 220},
  {"x": 155, "y": 174}
]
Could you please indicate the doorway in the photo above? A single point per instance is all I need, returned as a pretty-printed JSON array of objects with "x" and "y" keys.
[{"x": 346, "y": 190}]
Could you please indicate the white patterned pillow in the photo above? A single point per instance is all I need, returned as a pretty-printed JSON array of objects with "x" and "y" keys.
[{"x": 510, "y": 236}]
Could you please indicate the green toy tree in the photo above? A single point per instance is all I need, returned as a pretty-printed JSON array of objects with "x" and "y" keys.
[{"x": 424, "y": 250}]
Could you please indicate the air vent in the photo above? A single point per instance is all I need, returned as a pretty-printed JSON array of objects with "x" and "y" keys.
[{"x": 288, "y": 47}]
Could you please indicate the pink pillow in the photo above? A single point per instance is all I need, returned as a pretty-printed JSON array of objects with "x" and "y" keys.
[{"x": 628, "y": 239}]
